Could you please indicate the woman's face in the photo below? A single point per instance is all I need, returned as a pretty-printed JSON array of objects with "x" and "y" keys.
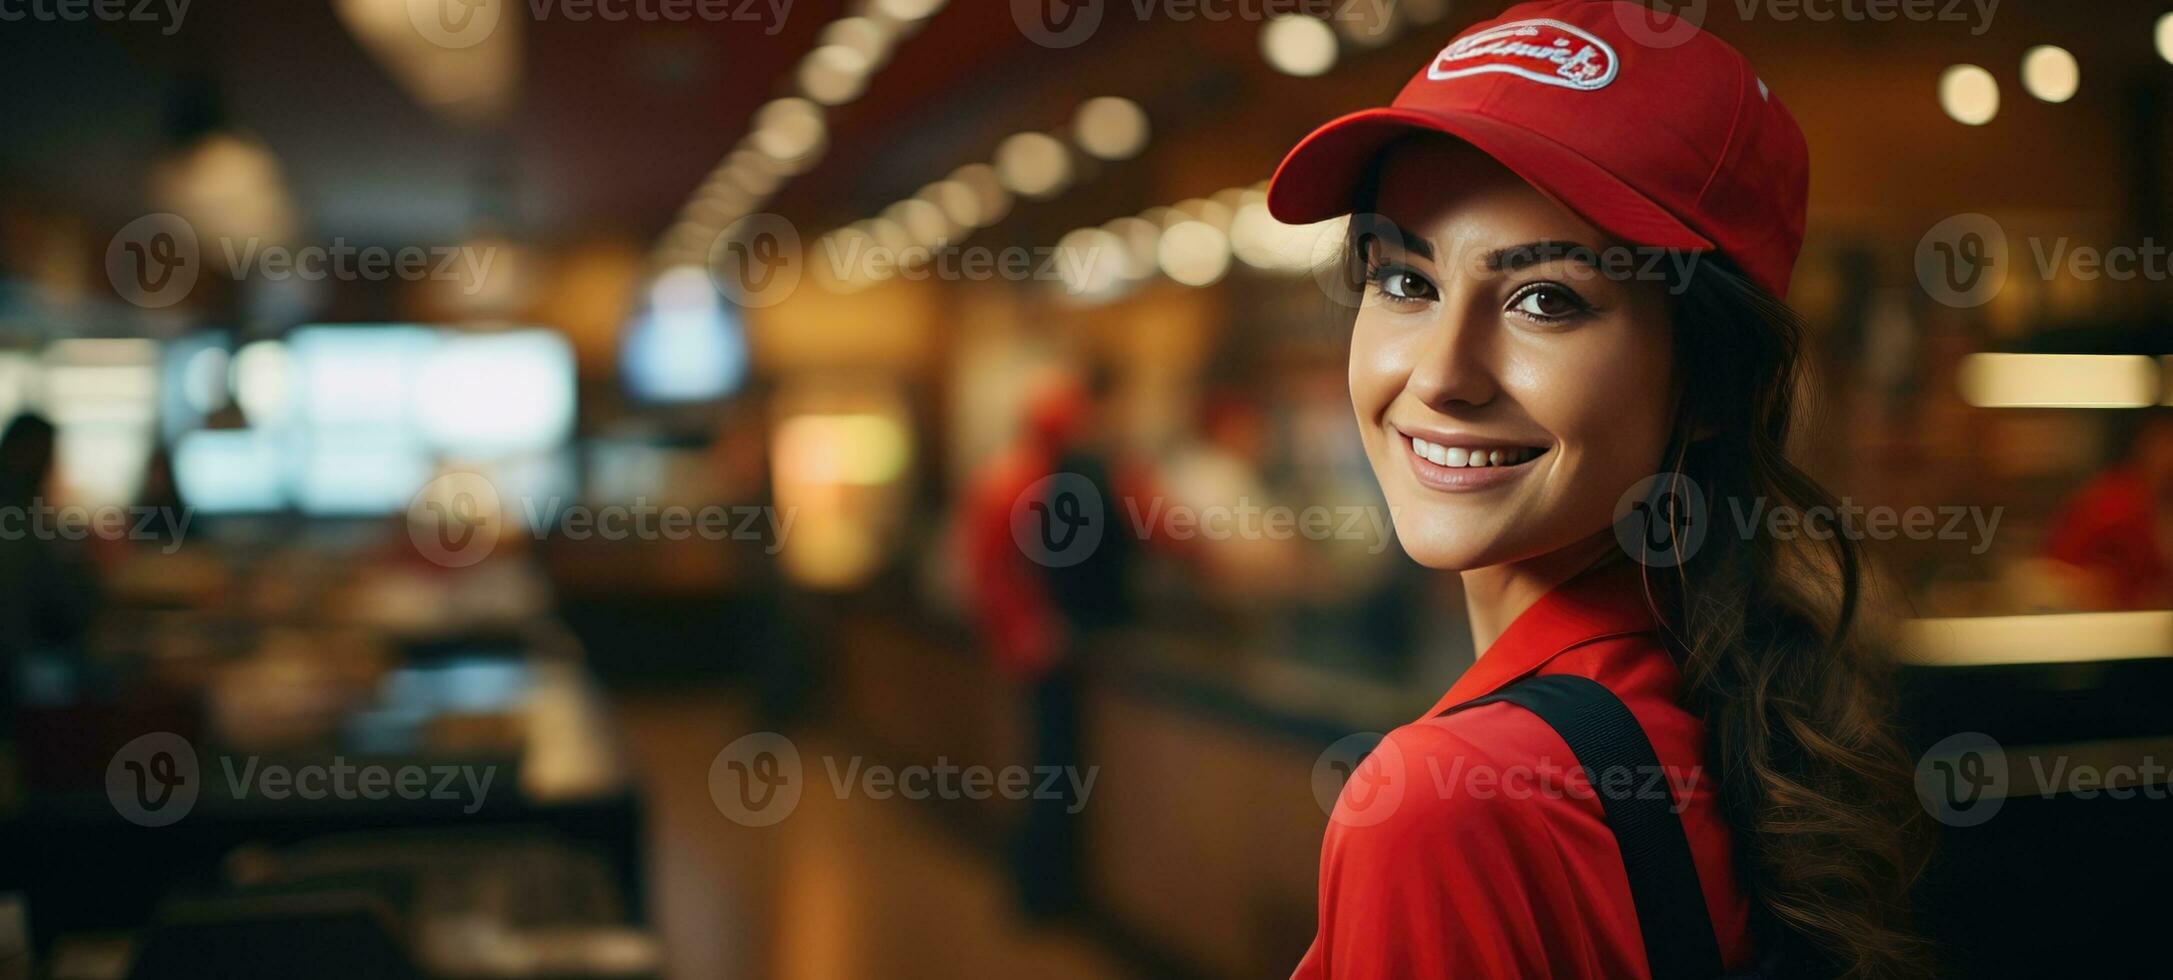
[{"x": 1508, "y": 391}]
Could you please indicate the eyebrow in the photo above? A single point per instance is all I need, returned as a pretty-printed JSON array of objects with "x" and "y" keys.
[{"x": 1381, "y": 228}]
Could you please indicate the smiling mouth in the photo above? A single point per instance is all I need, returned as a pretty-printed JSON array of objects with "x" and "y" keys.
[{"x": 1462, "y": 457}]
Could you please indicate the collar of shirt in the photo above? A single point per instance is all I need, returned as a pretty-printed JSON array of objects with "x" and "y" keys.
[{"x": 1597, "y": 603}]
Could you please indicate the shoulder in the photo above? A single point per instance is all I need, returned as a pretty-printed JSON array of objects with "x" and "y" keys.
[{"x": 1446, "y": 784}]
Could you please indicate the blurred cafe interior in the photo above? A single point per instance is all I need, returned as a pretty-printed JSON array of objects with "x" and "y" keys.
[{"x": 433, "y": 553}]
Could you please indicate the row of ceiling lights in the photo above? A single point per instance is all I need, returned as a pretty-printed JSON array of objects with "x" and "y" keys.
[
  {"x": 790, "y": 134},
  {"x": 1970, "y": 95},
  {"x": 1195, "y": 242},
  {"x": 1033, "y": 165}
]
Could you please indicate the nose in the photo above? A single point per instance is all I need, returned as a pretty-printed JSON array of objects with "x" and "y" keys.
[{"x": 1454, "y": 367}]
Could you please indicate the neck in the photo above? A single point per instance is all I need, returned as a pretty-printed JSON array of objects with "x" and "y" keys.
[{"x": 1497, "y": 594}]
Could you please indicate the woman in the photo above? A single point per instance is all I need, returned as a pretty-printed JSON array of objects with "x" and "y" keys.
[{"x": 1573, "y": 227}]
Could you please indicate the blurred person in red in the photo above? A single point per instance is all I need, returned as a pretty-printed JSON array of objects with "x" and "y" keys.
[
  {"x": 2111, "y": 533},
  {"x": 1018, "y": 622},
  {"x": 1046, "y": 562}
]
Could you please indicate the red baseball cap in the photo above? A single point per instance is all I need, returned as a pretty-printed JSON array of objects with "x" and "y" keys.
[{"x": 1648, "y": 127}]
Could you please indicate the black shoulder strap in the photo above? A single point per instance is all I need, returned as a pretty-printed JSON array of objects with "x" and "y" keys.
[{"x": 1606, "y": 739}]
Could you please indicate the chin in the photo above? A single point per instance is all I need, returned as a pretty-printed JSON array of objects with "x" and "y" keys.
[{"x": 1446, "y": 542}]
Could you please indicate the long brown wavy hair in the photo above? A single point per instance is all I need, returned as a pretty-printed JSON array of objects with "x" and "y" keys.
[{"x": 1799, "y": 711}]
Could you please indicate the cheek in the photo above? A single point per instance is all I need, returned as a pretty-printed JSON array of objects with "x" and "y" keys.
[
  {"x": 1377, "y": 370},
  {"x": 1611, "y": 409}
]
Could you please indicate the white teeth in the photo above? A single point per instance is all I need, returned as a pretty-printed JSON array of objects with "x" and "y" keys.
[{"x": 1454, "y": 456}]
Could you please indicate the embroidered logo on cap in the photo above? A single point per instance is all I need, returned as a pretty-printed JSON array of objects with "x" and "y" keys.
[{"x": 1546, "y": 51}]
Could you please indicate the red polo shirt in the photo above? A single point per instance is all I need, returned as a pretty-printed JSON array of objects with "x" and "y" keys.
[{"x": 1469, "y": 845}]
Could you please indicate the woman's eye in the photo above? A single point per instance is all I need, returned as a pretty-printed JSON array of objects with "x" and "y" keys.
[
  {"x": 1547, "y": 302},
  {"x": 1404, "y": 285}
]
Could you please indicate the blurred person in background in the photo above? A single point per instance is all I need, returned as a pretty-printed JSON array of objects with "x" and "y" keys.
[
  {"x": 1039, "y": 618},
  {"x": 1213, "y": 483},
  {"x": 159, "y": 495},
  {"x": 48, "y": 592},
  {"x": 785, "y": 673},
  {"x": 2109, "y": 536},
  {"x": 1512, "y": 383}
]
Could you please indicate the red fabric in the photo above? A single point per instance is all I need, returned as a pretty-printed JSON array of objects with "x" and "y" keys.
[
  {"x": 1455, "y": 850},
  {"x": 2110, "y": 527},
  {"x": 1008, "y": 593},
  {"x": 1010, "y": 597}
]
